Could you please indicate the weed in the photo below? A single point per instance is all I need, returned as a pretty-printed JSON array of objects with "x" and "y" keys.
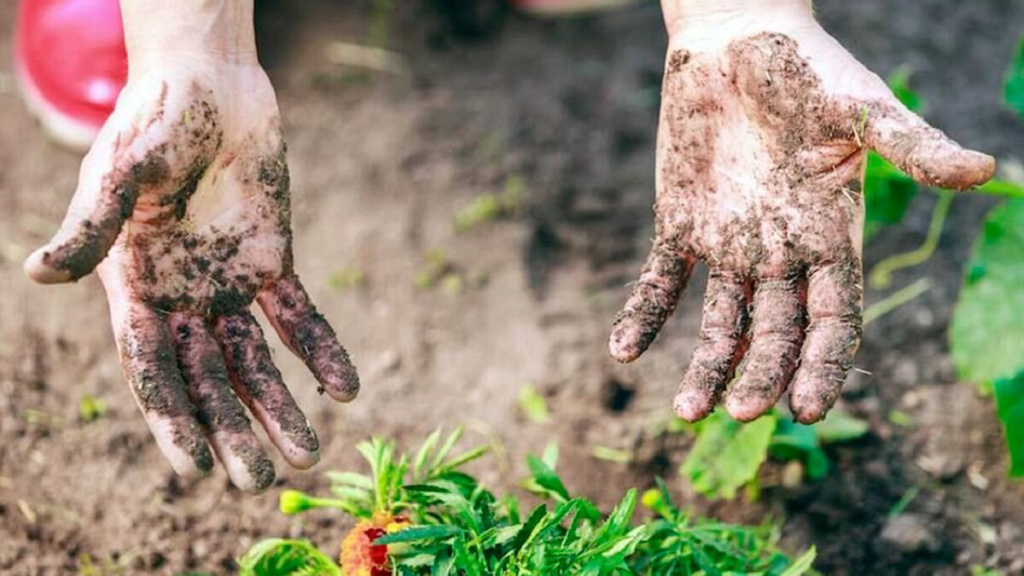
[
  {"x": 91, "y": 408},
  {"x": 347, "y": 279},
  {"x": 728, "y": 455},
  {"x": 987, "y": 330},
  {"x": 422, "y": 515},
  {"x": 490, "y": 207}
]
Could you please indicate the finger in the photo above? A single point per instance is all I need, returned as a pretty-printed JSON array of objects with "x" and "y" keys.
[
  {"x": 722, "y": 344},
  {"x": 833, "y": 334},
  {"x": 219, "y": 411},
  {"x": 108, "y": 187},
  {"x": 775, "y": 338},
  {"x": 310, "y": 337},
  {"x": 922, "y": 151},
  {"x": 150, "y": 366},
  {"x": 654, "y": 298},
  {"x": 258, "y": 383}
]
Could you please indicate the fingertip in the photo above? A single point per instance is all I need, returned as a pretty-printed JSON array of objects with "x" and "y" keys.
[
  {"x": 691, "y": 407},
  {"x": 37, "y": 270},
  {"x": 977, "y": 168},
  {"x": 340, "y": 382},
  {"x": 303, "y": 460},
  {"x": 807, "y": 409},
  {"x": 746, "y": 409},
  {"x": 255, "y": 476},
  {"x": 247, "y": 465},
  {"x": 626, "y": 343},
  {"x": 184, "y": 448}
]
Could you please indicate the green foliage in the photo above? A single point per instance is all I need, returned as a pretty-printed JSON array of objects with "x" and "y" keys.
[
  {"x": 679, "y": 544},
  {"x": 887, "y": 194},
  {"x": 277, "y": 557},
  {"x": 91, "y": 408},
  {"x": 533, "y": 405},
  {"x": 459, "y": 527},
  {"x": 727, "y": 454},
  {"x": 490, "y": 207},
  {"x": 899, "y": 83},
  {"x": 1013, "y": 91},
  {"x": 887, "y": 190},
  {"x": 978, "y": 570},
  {"x": 439, "y": 271},
  {"x": 107, "y": 567},
  {"x": 346, "y": 279},
  {"x": 1009, "y": 394},
  {"x": 840, "y": 427},
  {"x": 987, "y": 332},
  {"x": 795, "y": 441}
]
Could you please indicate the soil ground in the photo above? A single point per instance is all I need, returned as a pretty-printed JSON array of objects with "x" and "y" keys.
[{"x": 380, "y": 164}]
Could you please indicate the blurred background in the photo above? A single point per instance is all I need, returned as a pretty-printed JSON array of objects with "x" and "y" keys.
[{"x": 469, "y": 206}]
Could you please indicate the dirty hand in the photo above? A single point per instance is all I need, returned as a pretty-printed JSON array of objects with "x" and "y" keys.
[
  {"x": 765, "y": 123},
  {"x": 183, "y": 209}
]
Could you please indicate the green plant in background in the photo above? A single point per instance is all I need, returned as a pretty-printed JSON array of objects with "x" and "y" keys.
[
  {"x": 727, "y": 454},
  {"x": 888, "y": 191},
  {"x": 490, "y": 207},
  {"x": 1013, "y": 92},
  {"x": 91, "y": 408},
  {"x": 987, "y": 331},
  {"x": 423, "y": 515}
]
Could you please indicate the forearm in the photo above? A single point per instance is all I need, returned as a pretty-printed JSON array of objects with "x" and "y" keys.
[
  {"x": 221, "y": 29},
  {"x": 712, "y": 18}
]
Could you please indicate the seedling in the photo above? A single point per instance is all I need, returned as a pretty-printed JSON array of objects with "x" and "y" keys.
[{"x": 422, "y": 515}]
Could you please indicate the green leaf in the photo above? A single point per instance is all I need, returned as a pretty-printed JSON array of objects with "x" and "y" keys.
[
  {"x": 887, "y": 194},
  {"x": 802, "y": 564},
  {"x": 91, "y": 408},
  {"x": 533, "y": 405},
  {"x": 887, "y": 190},
  {"x": 839, "y": 426},
  {"x": 545, "y": 477},
  {"x": 817, "y": 464},
  {"x": 438, "y": 532},
  {"x": 728, "y": 454},
  {"x": 351, "y": 479},
  {"x": 1009, "y": 394},
  {"x": 899, "y": 83},
  {"x": 793, "y": 440},
  {"x": 987, "y": 331},
  {"x": 1014, "y": 87},
  {"x": 277, "y": 557}
]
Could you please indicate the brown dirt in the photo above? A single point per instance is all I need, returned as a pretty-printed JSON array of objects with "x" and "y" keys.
[{"x": 379, "y": 165}]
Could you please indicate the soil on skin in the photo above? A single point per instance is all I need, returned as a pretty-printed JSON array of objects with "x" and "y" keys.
[{"x": 380, "y": 163}]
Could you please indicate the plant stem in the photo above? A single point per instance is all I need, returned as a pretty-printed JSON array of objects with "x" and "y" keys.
[
  {"x": 896, "y": 299},
  {"x": 1001, "y": 188},
  {"x": 881, "y": 275}
]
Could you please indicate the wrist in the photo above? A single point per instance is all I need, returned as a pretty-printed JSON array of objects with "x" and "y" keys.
[
  {"x": 724, "y": 20},
  {"x": 204, "y": 29}
]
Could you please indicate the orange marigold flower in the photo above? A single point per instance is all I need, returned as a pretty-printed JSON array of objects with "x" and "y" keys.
[{"x": 359, "y": 556}]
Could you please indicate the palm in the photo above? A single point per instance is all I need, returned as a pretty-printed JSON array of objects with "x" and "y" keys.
[
  {"x": 206, "y": 237},
  {"x": 186, "y": 193},
  {"x": 760, "y": 160}
]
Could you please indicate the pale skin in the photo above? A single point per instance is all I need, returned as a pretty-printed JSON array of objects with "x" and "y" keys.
[
  {"x": 182, "y": 209},
  {"x": 765, "y": 124}
]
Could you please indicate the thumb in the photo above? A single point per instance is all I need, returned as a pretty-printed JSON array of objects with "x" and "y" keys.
[
  {"x": 118, "y": 165},
  {"x": 922, "y": 151}
]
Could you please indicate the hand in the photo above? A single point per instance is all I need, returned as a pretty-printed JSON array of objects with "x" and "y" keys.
[
  {"x": 765, "y": 123},
  {"x": 183, "y": 204}
]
